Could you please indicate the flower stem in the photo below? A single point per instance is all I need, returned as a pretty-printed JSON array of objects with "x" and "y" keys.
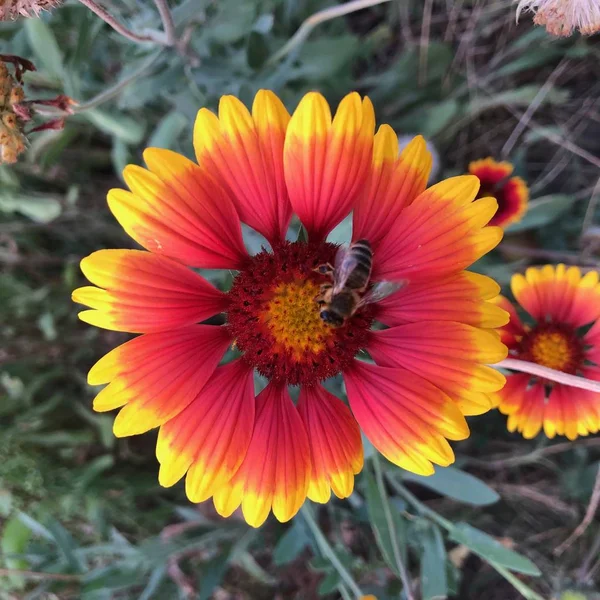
[
  {"x": 167, "y": 20},
  {"x": 156, "y": 37},
  {"x": 316, "y": 19},
  {"x": 116, "y": 89},
  {"x": 550, "y": 374},
  {"x": 391, "y": 528},
  {"x": 329, "y": 552}
]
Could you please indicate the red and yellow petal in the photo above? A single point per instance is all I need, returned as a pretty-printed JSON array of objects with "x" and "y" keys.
[
  {"x": 451, "y": 356},
  {"x": 335, "y": 443},
  {"x": 210, "y": 438},
  {"x": 245, "y": 153},
  {"x": 464, "y": 297},
  {"x": 405, "y": 417},
  {"x": 573, "y": 412},
  {"x": 441, "y": 233},
  {"x": 512, "y": 332},
  {"x": 276, "y": 471},
  {"x": 177, "y": 210},
  {"x": 157, "y": 375},
  {"x": 140, "y": 292},
  {"x": 489, "y": 172},
  {"x": 326, "y": 162},
  {"x": 559, "y": 293},
  {"x": 513, "y": 198},
  {"x": 394, "y": 182},
  {"x": 523, "y": 403}
]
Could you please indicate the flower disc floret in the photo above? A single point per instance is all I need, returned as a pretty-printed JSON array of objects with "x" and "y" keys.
[{"x": 274, "y": 318}]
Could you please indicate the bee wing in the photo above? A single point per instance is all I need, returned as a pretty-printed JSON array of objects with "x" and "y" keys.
[
  {"x": 381, "y": 290},
  {"x": 345, "y": 263}
]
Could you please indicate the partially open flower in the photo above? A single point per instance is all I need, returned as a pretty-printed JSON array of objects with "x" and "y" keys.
[
  {"x": 266, "y": 452},
  {"x": 11, "y": 9},
  {"x": 561, "y": 17},
  {"x": 562, "y": 304},
  {"x": 511, "y": 193}
]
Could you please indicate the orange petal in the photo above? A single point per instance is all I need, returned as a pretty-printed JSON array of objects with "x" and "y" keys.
[
  {"x": 393, "y": 184},
  {"x": 513, "y": 198},
  {"x": 144, "y": 292},
  {"x": 513, "y": 331},
  {"x": 209, "y": 439},
  {"x": 326, "y": 162},
  {"x": 155, "y": 376},
  {"x": 404, "y": 416},
  {"x": 441, "y": 233},
  {"x": 463, "y": 298},
  {"x": 276, "y": 471},
  {"x": 489, "y": 172},
  {"x": 177, "y": 210},
  {"x": 335, "y": 444},
  {"x": 245, "y": 153},
  {"x": 559, "y": 293},
  {"x": 452, "y": 356}
]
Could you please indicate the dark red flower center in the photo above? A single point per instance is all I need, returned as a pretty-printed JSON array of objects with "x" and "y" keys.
[
  {"x": 554, "y": 346},
  {"x": 275, "y": 320}
]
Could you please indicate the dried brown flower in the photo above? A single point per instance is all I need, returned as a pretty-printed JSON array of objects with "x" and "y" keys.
[
  {"x": 561, "y": 17},
  {"x": 12, "y": 139},
  {"x": 11, "y": 9}
]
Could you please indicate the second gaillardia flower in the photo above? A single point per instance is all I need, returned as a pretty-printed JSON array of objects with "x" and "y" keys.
[{"x": 266, "y": 453}]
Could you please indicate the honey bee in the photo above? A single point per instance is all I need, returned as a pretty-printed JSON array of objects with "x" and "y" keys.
[{"x": 350, "y": 276}]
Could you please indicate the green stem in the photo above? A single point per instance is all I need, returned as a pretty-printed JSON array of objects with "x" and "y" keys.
[
  {"x": 329, "y": 552},
  {"x": 116, "y": 89},
  {"x": 523, "y": 589},
  {"x": 391, "y": 527},
  {"x": 320, "y": 17}
]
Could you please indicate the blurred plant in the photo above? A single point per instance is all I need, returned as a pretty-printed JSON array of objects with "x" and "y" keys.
[
  {"x": 11, "y": 9},
  {"x": 562, "y": 17},
  {"x": 510, "y": 192}
]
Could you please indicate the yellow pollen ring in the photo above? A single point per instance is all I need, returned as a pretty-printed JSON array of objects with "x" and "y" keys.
[
  {"x": 292, "y": 316},
  {"x": 552, "y": 350}
]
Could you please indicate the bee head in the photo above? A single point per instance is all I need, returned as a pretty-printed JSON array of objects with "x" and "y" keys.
[{"x": 331, "y": 318}]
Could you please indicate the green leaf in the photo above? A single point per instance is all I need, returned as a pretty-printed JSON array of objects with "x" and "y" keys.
[
  {"x": 14, "y": 540},
  {"x": 257, "y": 50},
  {"x": 123, "y": 127},
  {"x": 491, "y": 550},
  {"x": 329, "y": 583},
  {"x": 211, "y": 575},
  {"x": 45, "y": 47},
  {"x": 522, "y": 96},
  {"x": 380, "y": 525},
  {"x": 434, "y": 581},
  {"x": 291, "y": 543},
  {"x": 168, "y": 130},
  {"x": 438, "y": 116},
  {"x": 456, "y": 484},
  {"x": 39, "y": 208},
  {"x": 542, "y": 211}
]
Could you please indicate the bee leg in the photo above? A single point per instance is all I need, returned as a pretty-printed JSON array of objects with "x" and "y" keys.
[{"x": 325, "y": 269}]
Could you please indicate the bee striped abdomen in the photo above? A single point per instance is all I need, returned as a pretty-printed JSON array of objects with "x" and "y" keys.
[{"x": 362, "y": 252}]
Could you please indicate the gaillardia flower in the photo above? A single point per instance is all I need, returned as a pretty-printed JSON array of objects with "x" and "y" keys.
[
  {"x": 259, "y": 167},
  {"x": 511, "y": 193},
  {"x": 563, "y": 304}
]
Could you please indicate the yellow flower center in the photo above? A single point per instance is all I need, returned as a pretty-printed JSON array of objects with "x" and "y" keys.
[
  {"x": 292, "y": 316},
  {"x": 552, "y": 350}
]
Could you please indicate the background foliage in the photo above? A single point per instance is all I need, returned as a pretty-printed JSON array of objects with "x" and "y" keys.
[{"x": 81, "y": 513}]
